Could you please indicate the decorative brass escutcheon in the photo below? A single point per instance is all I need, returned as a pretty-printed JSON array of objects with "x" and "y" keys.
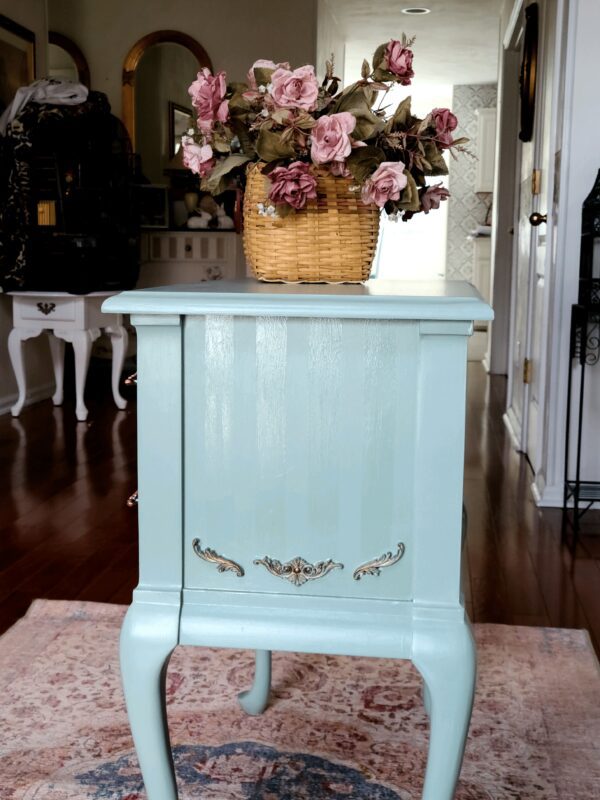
[
  {"x": 298, "y": 571},
  {"x": 375, "y": 566},
  {"x": 223, "y": 564}
]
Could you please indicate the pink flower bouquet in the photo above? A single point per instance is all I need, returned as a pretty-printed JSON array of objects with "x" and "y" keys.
[{"x": 283, "y": 118}]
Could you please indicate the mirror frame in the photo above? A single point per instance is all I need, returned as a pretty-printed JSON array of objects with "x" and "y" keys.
[
  {"x": 73, "y": 50},
  {"x": 132, "y": 59}
]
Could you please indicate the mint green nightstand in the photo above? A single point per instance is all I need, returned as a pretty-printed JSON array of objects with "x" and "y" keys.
[{"x": 300, "y": 476}]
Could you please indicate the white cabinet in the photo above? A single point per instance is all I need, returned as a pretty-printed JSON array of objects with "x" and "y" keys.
[
  {"x": 173, "y": 257},
  {"x": 486, "y": 149}
]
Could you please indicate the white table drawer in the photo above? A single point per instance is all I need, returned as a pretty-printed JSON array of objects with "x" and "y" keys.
[{"x": 47, "y": 310}]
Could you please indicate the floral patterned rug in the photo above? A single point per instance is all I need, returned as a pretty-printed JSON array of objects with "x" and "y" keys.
[{"x": 336, "y": 729}]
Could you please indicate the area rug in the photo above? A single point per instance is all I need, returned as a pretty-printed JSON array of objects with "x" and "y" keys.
[{"x": 337, "y": 728}]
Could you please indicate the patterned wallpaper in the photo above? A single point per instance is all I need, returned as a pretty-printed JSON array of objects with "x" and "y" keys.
[{"x": 465, "y": 208}]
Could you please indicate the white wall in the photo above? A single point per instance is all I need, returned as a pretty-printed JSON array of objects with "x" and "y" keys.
[
  {"x": 31, "y": 14},
  {"x": 330, "y": 39},
  {"x": 233, "y": 33},
  {"x": 415, "y": 250}
]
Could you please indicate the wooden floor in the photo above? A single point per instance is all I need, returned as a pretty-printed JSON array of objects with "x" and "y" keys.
[{"x": 65, "y": 531}]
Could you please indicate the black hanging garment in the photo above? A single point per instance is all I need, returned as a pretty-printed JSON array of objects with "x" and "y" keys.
[{"x": 67, "y": 221}]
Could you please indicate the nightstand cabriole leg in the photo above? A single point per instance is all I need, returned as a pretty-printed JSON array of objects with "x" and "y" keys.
[
  {"x": 445, "y": 657},
  {"x": 255, "y": 700},
  {"x": 148, "y": 637}
]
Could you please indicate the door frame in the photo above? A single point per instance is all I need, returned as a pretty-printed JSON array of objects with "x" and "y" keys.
[
  {"x": 518, "y": 429},
  {"x": 505, "y": 199}
]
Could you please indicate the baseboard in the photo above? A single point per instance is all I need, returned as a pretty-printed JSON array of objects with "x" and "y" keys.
[
  {"x": 552, "y": 497},
  {"x": 42, "y": 392},
  {"x": 514, "y": 438}
]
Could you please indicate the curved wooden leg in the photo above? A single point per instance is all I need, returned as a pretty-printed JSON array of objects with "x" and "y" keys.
[
  {"x": 82, "y": 347},
  {"x": 57, "y": 351},
  {"x": 148, "y": 637},
  {"x": 444, "y": 654},
  {"x": 15, "y": 350},
  {"x": 255, "y": 700},
  {"x": 119, "y": 338}
]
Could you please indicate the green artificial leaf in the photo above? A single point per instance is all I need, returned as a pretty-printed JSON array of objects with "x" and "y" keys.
[
  {"x": 461, "y": 142},
  {"x": 402, "y": 118},
  {"x": 238, "y": 104},
  {"x": 262, "y": 75},
  {"x": 215, "y": 182},
  {"x": 379, "y": 57},
  {"x": 409, "y": 199},
  {"x": 284, "y": 210},
  {"x": 435, "y": 159},
  {"x": 365, "y": 70},
  {"x": 363, "y": 161},
  {"x": 241, "y": 131},
  {"x": 270, "y": 146},
  {"x": 236, "y": 88}
]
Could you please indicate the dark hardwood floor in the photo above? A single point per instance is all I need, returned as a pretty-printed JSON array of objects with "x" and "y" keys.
[{"x": 66, "y": 533}]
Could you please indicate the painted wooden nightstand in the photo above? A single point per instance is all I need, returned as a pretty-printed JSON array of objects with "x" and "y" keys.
[
  {"x": 65, "y": 318},
  {"x": 301, "y": 475}
]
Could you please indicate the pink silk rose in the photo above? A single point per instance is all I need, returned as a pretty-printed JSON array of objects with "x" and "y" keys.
[
  {"x": 433, "y": 196},
  {"x": 445, "y": 122},
  {"x": 331, "y": 137},
  {"x": 386, "y": 183},
  {"x": 295, "y": 89},
  {"x": 399, "y": 61},
  {"x": 208, "y": 98},
  {"x": 262, "y": 63},
  {"x": 198, "y": 158},
  {"x": 293, "y": 185}
]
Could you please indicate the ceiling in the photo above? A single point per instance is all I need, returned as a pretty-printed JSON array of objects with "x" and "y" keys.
[{"x": 456, "y": 43}]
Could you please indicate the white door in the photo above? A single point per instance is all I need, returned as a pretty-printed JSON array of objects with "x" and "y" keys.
[{"x": 534, "y": 187}]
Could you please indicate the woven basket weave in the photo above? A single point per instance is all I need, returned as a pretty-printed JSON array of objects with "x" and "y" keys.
[{"x": 331, "y": 240}]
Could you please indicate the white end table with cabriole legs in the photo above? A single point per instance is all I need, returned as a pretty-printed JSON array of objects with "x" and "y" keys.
[
  {"x": 300, "y": 458},
  {"x": 65, "y": 318}
]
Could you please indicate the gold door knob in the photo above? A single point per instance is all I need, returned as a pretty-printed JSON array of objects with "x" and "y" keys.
[{"x": 537, "y": 219}]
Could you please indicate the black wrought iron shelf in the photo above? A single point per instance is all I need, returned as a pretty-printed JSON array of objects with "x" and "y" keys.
[{"x": 579, "y": 494}]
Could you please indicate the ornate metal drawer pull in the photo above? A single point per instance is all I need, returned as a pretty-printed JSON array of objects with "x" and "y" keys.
[
  {"x": 46, "y": 308},
  {"x": 298, "y": 571},
  {"x": 375, "y": 566},
  {"x": 223, "y": 564}
]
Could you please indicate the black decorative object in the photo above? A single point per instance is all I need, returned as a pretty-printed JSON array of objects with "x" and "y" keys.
[
  {"x": 528, "y": 76},
  {"x": 584, "y": 348}
]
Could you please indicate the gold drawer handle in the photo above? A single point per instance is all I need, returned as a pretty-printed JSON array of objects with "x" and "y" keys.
[
  {"x": 223, "y": 564},
  {"x": 297, "y": 571},
  {"x": 375, "y": 566}
]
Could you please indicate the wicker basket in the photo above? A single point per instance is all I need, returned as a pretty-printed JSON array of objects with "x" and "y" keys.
[{"x": 331, "y": 240}]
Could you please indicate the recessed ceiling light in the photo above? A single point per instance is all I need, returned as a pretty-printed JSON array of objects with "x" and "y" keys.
[{"x": 416, "y": 11}]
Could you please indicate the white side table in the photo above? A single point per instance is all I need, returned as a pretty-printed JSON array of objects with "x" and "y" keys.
[{"x": 65, "y": 318}]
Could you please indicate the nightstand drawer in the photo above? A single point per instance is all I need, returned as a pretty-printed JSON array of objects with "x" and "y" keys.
[
  {"x": 47, "y": 310},
  {"x": 299, "y": 458}
]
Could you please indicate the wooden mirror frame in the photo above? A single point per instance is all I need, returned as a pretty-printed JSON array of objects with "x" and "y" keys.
[
  {"x": 73, "y": 50},
  {"x": 132, "y": 59},
  {"x": 528, "y": 74}
]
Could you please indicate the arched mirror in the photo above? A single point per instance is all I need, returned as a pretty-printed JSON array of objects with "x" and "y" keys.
[
  {"x": 156, "y": 106},
  {"x": 65, "y": 60}
]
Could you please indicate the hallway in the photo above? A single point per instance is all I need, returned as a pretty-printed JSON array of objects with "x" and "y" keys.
[{"x": 66, "y": 533}]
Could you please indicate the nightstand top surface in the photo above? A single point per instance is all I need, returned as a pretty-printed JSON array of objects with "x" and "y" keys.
[{"x": 376, "y": 299}]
